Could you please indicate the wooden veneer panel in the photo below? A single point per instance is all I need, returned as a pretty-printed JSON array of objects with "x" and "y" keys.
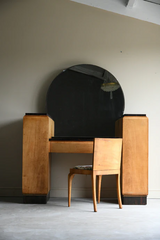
[
  {"x": 36, "y": 165},
  {"x": 71, "y": 146},
  {"x": 134, "y": 131}
]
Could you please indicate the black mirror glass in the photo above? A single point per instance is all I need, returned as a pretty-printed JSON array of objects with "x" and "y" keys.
[{"x": 85, "y": 101}]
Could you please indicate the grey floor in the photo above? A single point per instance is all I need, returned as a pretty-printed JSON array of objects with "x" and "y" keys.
[{"x": 55, "y": 220}]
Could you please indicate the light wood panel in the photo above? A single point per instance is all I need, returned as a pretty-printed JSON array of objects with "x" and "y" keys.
[
  {"x": 134, "y": 131},
  {"x": 36, "y": 165},
  {"x": 106, "y": 160},
  {"x": 71, "y": 146},
  {"x": 36, "y": 148},
  {"x": 107, "y": 154}
]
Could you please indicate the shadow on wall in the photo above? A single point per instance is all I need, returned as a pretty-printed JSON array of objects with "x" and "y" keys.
[
  {"x": 42, "y": 94},
  {"x": 11, "y": 159},
  {"x": 11, "y": 136}
]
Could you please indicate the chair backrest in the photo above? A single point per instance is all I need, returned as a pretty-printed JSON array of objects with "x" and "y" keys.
[{"x": 107, "y": 153}]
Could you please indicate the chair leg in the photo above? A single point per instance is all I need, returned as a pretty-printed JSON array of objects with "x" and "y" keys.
[
  {"x": 70, "y": 178},
  {"x": 99, "y": 187},
  {"x": 94, "y": 191},
  {"x": 119, "y": 191}
]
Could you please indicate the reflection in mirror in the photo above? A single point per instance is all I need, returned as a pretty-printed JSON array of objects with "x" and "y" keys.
[
  {"x": 110, "y": 84},
  {"x": 85, "y": 101}
]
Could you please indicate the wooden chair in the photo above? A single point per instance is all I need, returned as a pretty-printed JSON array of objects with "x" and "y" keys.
[{"x": 106, "y": 161}]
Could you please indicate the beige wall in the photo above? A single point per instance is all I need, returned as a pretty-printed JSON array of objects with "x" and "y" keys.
[{"x": 41, "y": 38}]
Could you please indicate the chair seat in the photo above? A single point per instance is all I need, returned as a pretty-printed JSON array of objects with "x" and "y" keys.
[{"x": 83, "y": 167}]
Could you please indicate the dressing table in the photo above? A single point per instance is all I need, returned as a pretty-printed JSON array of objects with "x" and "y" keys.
[{"x": 83, "y": 102}]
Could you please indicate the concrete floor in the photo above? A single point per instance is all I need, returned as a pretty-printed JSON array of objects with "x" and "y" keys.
[{"x": 55, "y": 221}]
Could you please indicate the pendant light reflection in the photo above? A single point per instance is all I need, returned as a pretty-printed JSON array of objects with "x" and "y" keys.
[
  {"x": 110, "y": 84},
  {"x": 110, "y": 87}
]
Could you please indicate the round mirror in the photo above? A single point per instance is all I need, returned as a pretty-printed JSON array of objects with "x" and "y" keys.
[{"x": 85, "y": 101}]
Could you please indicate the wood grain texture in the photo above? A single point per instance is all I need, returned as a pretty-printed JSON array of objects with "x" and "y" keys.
[
  {"x": 119, "y": 191},
  {"x": 36, "y": 165},
  {"x": 71, "y": 146},
  {"x": 107, "y": 154},
  {"x": 94, "y": 191},
  {"x": 70, "y": 178},
  {"x": 134, "y": 131},
  {"x": 99, "y": 183},
  {"x": 106, "y": 160}
]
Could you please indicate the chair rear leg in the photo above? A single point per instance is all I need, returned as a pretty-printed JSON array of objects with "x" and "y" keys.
[
  {"x": 99, "y": 187},
  {"x": 119, "y": 191},
  {"x": 70, "y": 178},
  {"x": 94, "y": 191}
]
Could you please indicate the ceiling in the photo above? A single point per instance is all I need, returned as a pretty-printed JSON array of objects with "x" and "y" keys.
[{"x": 146, "y": 10}]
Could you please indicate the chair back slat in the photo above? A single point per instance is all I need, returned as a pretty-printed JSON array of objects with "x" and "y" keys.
[{"x": 107, "y": 153}]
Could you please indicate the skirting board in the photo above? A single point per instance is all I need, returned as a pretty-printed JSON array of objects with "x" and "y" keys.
[
  {"x": 61, "y": 192},
  {"x": 83, "y": 192},
  {"x": 154, "y": 194},
  {"x": 76, "y": 192},
  {"x": 11, "y": 192}
]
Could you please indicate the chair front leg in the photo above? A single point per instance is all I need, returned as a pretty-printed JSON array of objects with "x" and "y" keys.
[
  {"x": 94, "y": 191},
  {"x": 119, "y": 191},
  {"x": 70, "y": 178},
  {"x": 99, "y": 187}
]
